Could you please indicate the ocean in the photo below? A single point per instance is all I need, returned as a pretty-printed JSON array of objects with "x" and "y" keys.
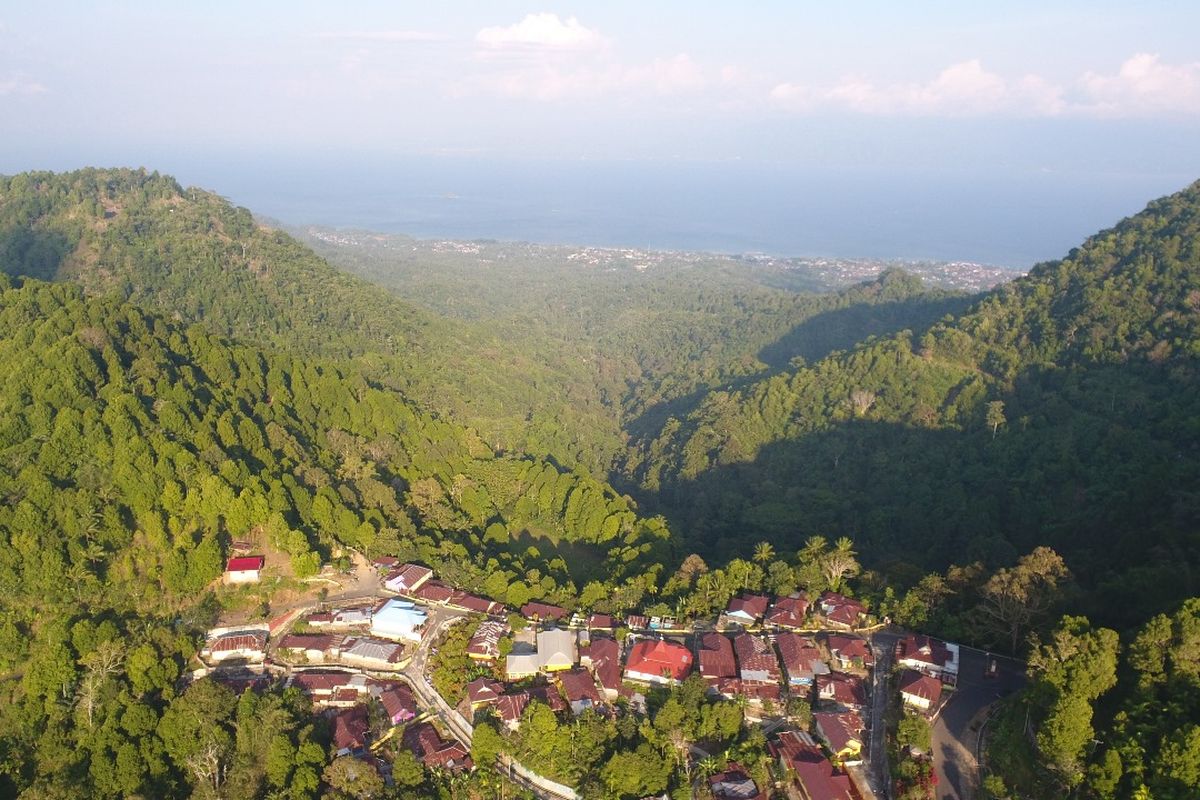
[{"x": 1001, "y": 218}]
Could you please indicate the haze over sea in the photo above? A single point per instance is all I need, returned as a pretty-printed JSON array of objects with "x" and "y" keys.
[{"x": 1003, "y": 218}]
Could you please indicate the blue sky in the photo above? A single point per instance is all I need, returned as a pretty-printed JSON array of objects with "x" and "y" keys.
[{"x": 1072, "y": 85}]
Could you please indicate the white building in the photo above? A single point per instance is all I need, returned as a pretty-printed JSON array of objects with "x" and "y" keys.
[
  {"x": 244, "y": 569},
  {"x": 242, "y": 645},
  {"x": 399, "y": 619}
]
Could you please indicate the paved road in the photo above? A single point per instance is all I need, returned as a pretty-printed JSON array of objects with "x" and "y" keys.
[
  {"x": 418, "y": 677},
  {"x": 956, "y": 733}
]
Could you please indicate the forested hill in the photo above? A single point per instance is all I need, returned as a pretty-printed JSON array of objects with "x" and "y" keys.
[
  {"x": 647, "y": 332},
  {"x": 1061, "y": 409},
  {"x": 132, "y": 450},
  {"x": 190, "y": 251},
  {"x": 563, "y": 366},
  {"x": 191, "y": 255}
]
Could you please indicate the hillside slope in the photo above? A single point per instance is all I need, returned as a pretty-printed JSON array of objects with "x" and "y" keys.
[
  {"x": 1060, "y": 409},
  {"x": 568, "y": 359},
  {"x": 666, "y": 327},
  {"x": 193, "y": 256},
  {"x": 132, "y": 450}
]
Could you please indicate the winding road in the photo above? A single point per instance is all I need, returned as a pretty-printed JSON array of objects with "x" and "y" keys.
[{"x": 956, "y": 730}]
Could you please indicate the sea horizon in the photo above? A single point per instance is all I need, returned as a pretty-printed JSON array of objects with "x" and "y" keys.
[{"x": 999, "y": 218}]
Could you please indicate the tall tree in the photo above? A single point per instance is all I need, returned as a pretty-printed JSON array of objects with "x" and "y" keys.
[{"x": 1016, "y": 598}]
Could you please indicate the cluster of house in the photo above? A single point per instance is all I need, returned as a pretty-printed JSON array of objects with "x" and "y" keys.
[
  {"x": 585, "y": 667},
  {"x": 928, "y": 665},
  {"x": 835, "y": 610},
  {"x": 582, "y": 666},
  {"x": 764, "y": 650},
  {"x": 345, "y": 696},
  {"x": 417, "y": 582},
  {"x": 380, "y": 635}
]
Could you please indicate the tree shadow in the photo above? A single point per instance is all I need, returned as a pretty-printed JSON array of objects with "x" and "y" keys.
[
  {"x": 844, "y": 328},
  {"x": 33, "y": 253},
  {"x": 1092, "y": 463},
  {"x": 812, "y": 340},
  {"x": 950, "y": 769}
]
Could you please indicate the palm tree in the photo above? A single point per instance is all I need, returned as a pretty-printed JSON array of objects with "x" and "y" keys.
[
  {"x": 763, "y": 552},
  {"x": 709, "y": 765}
]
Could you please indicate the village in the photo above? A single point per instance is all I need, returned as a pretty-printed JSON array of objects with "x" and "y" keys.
[{"x": 815, "y": 674}]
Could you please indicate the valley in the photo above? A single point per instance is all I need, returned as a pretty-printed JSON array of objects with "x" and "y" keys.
[{"x": 628, "y": 435}]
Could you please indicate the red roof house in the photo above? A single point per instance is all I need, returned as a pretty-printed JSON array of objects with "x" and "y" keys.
[
  {"x": 601, "y": 622},
  {"x": 580, "y": 689},
  {"x": 485, "y": 643},
  {"x": 747, "y": 609},
  {"x": 816, "y": 776},
  {"x": 398, "y": 702},
  {"x": 246, "y": 645},
  {"x": 842, "y": 732},
  {"x": 789, "y": 612},
  {"x": 841, "y": 610},
  {"x": 658, "y": 661},
  {"x": 849, "y": 651},
  {"x": 319, "y": 685},
  {"x": 385, "y": 562},
  {"x": 929, "y": 655},
  {"x": 734, "y": 783},
  {"x": 604, "y": 657},
  {"x": 802, "y": 658},
  {"x": 434, "y": 592},
  {"x": 715, "y": 653},
  {"x": 350, "y": 728},
  {"x": 758, "y": 668},
  {"x": 549, "y": 695},
  {"x": 919, "y": 690},
  {"x": 244, "y": 569},
  {"x": 433, "y": 751},
  {"x": 480, "y": 605},
  {"x": 483, "y": 692},
  {"x": 843, "y": 689},
  {"x": 509, "y": 708},
  {"x": 407, "y": 578}
]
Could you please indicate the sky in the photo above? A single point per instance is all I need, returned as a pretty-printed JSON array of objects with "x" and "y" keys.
[{"x": 1026, "y": 87}]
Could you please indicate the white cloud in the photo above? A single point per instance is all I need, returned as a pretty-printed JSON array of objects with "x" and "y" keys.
[
  {"x": 662, "y": 77},
  {"x": 542, "y": 31},
  {"x": 1144, "y": 85},
  {"x": 20, "y": 83},
  {"x": 963, "y": 89}
]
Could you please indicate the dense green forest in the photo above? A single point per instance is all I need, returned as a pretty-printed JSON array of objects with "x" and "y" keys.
[
  {"x": 196, "y": 258},
  {"x": 651, "y": 332},
  {"x": 133, "y": 449},
  {"x": 1060, "y": 410},
  {"x": 193, "y": 376}
]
